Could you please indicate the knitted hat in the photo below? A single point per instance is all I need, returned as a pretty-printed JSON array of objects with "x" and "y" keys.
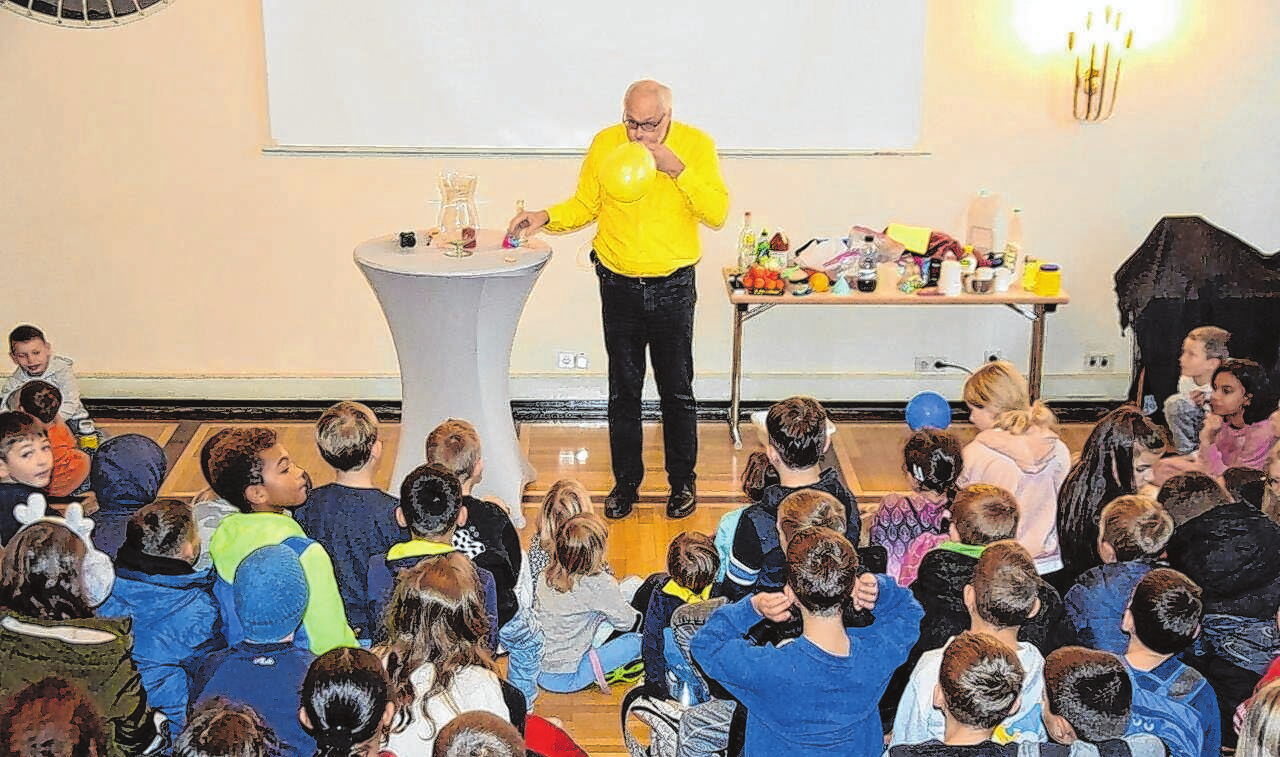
[{"x": 271, "y": 593}]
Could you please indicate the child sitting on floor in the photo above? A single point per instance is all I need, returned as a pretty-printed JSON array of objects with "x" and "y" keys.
[
  {"x": 1017, "y": 448},
  {"x": 798, "y": 438},
  {"x": 1162, "y": 620},
  {"x": 431, "y": 509},
  {"x": 588, "y": 625},
  {"x": 70, "y": 464},
  {"x": 174, "y": 614},
  {"x": 35, "y": 359},
  {"x": 1203, "y": 351},
  {"x": 351, "y": 518},
  {"x": 818, "y": 694},
  {"x": 979, "y": 680},
  {"x": 1002, "y": 596},
  {"x": 692, "y": 563},
  {"x": 1087, "y": 703},
  {"x": 26, "y": 466},
  {"x": 932, "y": 460},
  {"x": 1134, "y": 531}
]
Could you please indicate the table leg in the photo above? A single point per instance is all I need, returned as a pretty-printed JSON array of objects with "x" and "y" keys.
[
  {"x": 1035, "y": 370},
  {"x": 735, "y": 375}
]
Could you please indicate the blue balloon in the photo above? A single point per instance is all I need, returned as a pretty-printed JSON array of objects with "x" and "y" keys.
[{"x": 928, "y": 409}]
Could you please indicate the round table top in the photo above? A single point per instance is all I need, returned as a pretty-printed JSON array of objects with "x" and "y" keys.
[{"x": 489, "y": 258}]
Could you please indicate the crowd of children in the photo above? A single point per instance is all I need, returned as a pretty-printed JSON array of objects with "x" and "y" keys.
[{"x": 1014, "y": 602}]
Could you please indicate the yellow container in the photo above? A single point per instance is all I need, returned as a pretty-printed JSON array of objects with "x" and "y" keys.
[
  {"x": 1049, "y": 280},
  {"x": 1030, "y": 268}
]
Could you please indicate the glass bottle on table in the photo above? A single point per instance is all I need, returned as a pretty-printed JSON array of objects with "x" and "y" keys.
[
  {"x": 1013, "y": 242},
  {"x": 746, "y": 244}
]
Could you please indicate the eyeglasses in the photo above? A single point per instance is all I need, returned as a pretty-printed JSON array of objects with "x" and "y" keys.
[{"x": 649, "y": 126}]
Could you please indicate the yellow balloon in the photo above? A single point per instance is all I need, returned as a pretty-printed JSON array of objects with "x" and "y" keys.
[{"x": 627, "y": 172}]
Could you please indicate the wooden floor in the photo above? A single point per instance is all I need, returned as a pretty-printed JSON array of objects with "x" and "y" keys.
[{"x": 868, "y": 456}]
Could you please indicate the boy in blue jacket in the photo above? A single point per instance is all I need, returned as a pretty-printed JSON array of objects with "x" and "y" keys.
[
  {"x": 175, "y": 617},
  {"x": 817, "y": 695},
  {"x": 1132, "y": 532}
]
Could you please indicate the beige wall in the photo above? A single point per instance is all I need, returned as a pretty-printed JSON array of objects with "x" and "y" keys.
[{"x": 142, "y": 226}]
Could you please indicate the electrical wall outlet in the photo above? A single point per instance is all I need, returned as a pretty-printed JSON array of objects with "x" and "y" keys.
[
  {"x": 1099, "y": 362},
  {"x": 565, "y": 360},
  {"x": 928, "y": 364},
  {"x": 581, "y": 362}
]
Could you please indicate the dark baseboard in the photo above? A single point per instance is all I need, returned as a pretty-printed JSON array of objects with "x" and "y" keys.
[{"x": 532, "y": 411}]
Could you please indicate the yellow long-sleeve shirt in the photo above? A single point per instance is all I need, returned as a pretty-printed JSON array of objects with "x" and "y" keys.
[{"x": 658, "y": 233}]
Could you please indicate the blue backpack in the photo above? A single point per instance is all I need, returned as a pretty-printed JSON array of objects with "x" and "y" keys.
[{"x": 1157, "y": 712}]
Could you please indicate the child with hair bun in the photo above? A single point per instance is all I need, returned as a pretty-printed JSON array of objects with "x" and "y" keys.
[
  {"x": 932, "y": 460},
  {"x": 589, "y": 625},
  {"x": 565, "y": 499},
  {"x": 1017, "y": 448},
  {"x": 346, "y": 703}
]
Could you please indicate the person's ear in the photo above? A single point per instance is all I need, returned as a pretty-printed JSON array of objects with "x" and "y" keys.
[
  {"x": 952, "y": 532},
  {"x": 388, "y": 714},
  {"x": 400, "y": 520},
  {"x": 4, "y": 468},
  {"x": 1196, "y": 635},
  {"x": 771, "y": 454},
  {"x": 939, "y": 701},
  {"x": 1126, "y": 621},
  {"x": 462, "y": 516},
  {"x": 1017, "y": 704},
  {"x": 376, "y": 452},
  {"x": 302, "y": 718},
  {"x": 256, "y": 495},
  {"x": 1106, "y": 551},
  {"x": 970, "y": 597},
  {"x": 1035, "y": 608},
  {"x": 477, "y": 472},
  {"x": 1248, "y": 399}
]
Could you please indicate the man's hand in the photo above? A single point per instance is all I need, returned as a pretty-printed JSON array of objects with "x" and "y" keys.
[
  {"x": 866, "y": 590},
  {"x": 526, "y": 223},
  {"x": 665, "y": 159},
  {"x": 773, "y": 605}
]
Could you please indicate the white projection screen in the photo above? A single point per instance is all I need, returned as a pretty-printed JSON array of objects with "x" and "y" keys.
[{"x": 521, "y": 76}]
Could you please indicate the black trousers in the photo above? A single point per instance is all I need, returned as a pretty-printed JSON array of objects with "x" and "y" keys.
[{"x": 653, "y": 313}]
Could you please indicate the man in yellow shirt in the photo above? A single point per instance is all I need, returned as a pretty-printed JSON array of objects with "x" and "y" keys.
[{"x": 644, "y": 254}]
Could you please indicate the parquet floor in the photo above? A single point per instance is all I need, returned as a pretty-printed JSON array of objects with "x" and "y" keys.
[{"x": 868, "y": 456}]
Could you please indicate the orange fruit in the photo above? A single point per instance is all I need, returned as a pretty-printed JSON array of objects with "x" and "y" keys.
[{"x": 820, "y": 282}]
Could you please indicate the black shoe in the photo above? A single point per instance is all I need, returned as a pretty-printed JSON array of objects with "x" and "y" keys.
[
  {"x": 618, "y": 503},
  {"x": 682, "y": 502}
]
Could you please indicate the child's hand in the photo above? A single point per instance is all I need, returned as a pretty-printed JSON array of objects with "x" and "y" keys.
[
  {"x": 866, "y": 590},
  {"x": 89, "y": 503},
  {"x": 1197, "y": 396},
  {"x": 1212, "y": 425},
  {"x": 774, "y": 605}
]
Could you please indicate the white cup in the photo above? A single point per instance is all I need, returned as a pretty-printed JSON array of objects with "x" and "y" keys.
[{"x": 1003, "y": 277}]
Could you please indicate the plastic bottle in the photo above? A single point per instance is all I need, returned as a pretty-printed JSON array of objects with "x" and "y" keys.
[
  {"x": 867, "y": 275},
  {"x": 980, "y": 222},
  {"x": 1013, "y": 241},
  {"x": 746, "y": 243}
]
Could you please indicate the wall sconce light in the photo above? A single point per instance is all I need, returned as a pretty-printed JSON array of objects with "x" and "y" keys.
[{"x": 1099, "y": 53}]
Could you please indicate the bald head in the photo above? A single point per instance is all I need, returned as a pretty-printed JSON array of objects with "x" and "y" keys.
[{"x": 645, "y": 92}]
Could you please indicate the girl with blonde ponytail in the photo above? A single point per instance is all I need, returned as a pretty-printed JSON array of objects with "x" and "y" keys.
[{"x": 1017, "y": 448}]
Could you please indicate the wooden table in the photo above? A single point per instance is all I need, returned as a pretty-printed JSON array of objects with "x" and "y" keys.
[{"x": 747, "y": 306}]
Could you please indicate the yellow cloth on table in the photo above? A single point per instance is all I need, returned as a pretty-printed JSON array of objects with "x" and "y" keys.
[{"x": 914, "y": 238}]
